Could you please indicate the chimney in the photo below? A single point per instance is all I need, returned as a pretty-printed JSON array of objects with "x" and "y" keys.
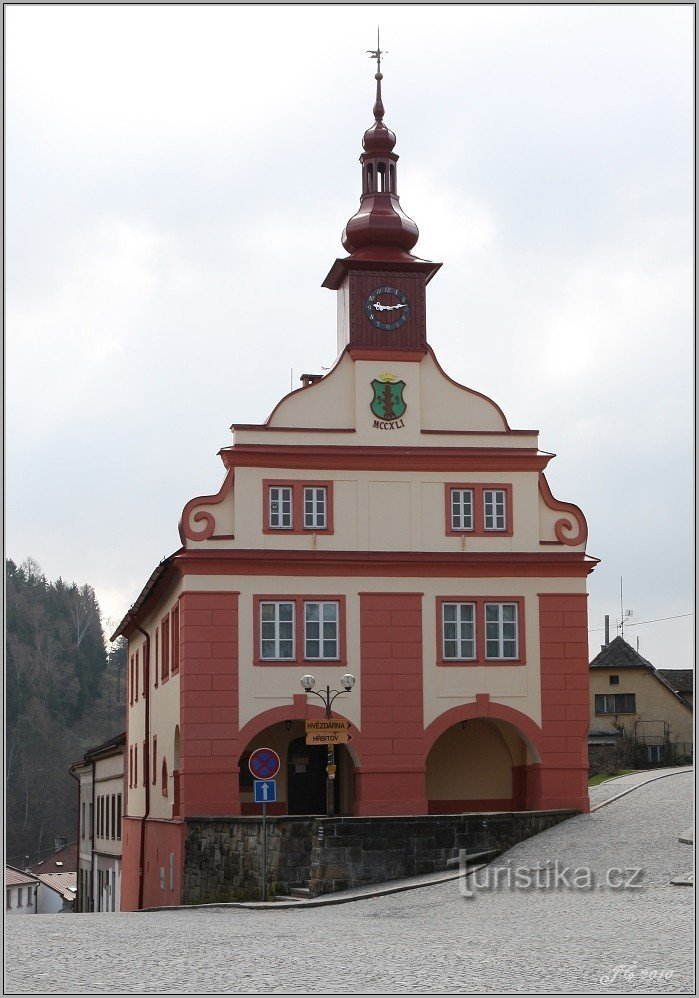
[{"x": 310, "y": 379}]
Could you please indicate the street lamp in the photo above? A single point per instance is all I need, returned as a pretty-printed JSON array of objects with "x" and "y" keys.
[{"x": 328, "y": 697}]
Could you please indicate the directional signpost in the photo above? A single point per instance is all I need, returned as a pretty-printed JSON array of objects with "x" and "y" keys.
[
  {"x": 329, "y": 731},
  {"x": 264, "y": 765}
]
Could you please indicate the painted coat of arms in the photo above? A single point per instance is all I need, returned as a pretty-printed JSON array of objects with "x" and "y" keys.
[{"x": 388, "y": 403}]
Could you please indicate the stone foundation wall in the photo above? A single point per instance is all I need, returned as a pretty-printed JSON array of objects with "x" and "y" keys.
[
  {"x": 352, "y": 852},
  {"x": 223, "y": 856}
]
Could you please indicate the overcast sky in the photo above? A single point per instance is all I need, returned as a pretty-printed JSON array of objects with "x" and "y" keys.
[{"x": 177, "y": 181}]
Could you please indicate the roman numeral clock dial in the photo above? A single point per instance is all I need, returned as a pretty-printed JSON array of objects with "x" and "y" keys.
[{"x": 387, "y": 308}]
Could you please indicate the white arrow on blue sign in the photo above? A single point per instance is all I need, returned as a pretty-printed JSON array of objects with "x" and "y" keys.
[{"x": 265, "y": 791}]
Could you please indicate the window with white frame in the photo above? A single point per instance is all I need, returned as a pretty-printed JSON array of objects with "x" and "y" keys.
[
  {"x": 459, "y": 630},
  {"x": 462, "y": 509},
  {"x": 281, "y": 507},
  {"x": 321, "y": 639},
  {"x": 315, "y": 507},
  {"x": 501, "y": 630},
  {"x": 494, "y": 517},
  {"x": 277, "y": 630}
]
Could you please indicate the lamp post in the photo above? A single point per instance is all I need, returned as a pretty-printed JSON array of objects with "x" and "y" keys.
[{"x": 328, "y": 697}]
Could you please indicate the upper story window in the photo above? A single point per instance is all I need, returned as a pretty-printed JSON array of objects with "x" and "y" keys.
[
  {"x": 281, "y": 507},
  {"x": 297, "y": 507},
  {"x": 315, "y": 507},
  {"x": 459, "y": 630},
  {"x": 613, "y": 680},
  {"x": 615, "y": 703},
  {"x": 462, "y": 509},
  {"x": 165, "y": 648},
  {"x": 501, "y": 630},
  {"x": 299, "y": 628},
  {"x": 480, "y": 510},
  {"x": 321, "y": 639},
  {"x": 494, "y": 515},
  {"x": 480, "y": 630},
  {"x": 277, "y": 630}
]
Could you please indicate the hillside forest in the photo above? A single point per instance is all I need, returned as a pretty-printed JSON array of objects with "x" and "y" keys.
[{"x": 64, "y": 694}]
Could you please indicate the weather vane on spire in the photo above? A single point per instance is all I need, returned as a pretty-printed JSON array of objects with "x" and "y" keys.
[{"x": 376, "y": 54}]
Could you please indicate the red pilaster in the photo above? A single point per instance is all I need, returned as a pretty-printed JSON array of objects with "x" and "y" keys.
[
  {"x": 208, "y": 783},
  {"x": 391, "y": 779},
  {"x": 565, "y": 701}
]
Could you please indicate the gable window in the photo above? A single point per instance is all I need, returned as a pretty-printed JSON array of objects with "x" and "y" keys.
[
  {"x": 494, "y": 509},
  {"x": 615, "y": 703},
  {"x": 315, "y": 504},
  {"x": 613, "y": 680},
  {"x": 297, "y": 507},
  {"x": 321, "y": 638},
  {"x": 281, "y": 507},
  {"x": 277, "y": 630},
  {"x": 462, "y": 509},
  {"x": 501, "y": 632},
  {"x": 459, "y": 630},
  {"x": 478, "y": 509}
]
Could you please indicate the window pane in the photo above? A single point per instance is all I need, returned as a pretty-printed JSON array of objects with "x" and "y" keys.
[
  {"x": 312, "y": 611},
  {"x": 268, "y": 611},
  {"x": 286, "y": 649},
  {"x": 492, "y": 649},
  {"x": 312, "y": 648},
  {"x": 449, "y": 611},
  {"x": 329, "y": 611},
  {"x": 509, "y": 649},
  {"x": 492, "y": 631},
  {"x": 509, "y": 611},
  {"x": 492, "y": 611},
  {"x": 450, "y": 649},
  {"x": 329, "y": 649},
  {"x": 450, "y": 631}
]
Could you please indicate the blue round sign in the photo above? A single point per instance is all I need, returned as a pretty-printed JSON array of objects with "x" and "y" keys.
[{"x": 264, "y": 764}]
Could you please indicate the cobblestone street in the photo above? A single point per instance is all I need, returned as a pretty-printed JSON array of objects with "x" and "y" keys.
[{"x": 502, "y": 940}]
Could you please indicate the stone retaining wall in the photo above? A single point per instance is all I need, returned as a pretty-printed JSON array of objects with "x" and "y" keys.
[
  {"x": 223, "y": 856},
  {"x": 352, "y": 852}
]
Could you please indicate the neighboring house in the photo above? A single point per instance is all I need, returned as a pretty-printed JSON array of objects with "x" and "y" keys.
[
  {"x": 627, "y": 692},
  {"x": 56, "y": 893},
  {"x": 682, "y": 682},
  {"x": 385, "y": 523},
  {"x": 101, "y": 795},
  {"x": 20, "y": 892},
  {"x": 64, "y": 859}
]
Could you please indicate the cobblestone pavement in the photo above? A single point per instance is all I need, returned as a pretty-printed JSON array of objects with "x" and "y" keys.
[
  {"x": 553, "y": 940},
  {"x": 620, "y": 784}
]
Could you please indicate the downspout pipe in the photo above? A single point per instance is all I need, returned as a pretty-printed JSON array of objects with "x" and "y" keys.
[
  {"x": 146, "y": 764},
  {"x": 79, "y": 893}
]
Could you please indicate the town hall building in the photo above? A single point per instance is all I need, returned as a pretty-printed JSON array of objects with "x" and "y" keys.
[{"x": 384, "y": 523}]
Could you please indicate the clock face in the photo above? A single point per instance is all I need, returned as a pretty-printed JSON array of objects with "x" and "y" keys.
[{"x": 387, "y": 308}]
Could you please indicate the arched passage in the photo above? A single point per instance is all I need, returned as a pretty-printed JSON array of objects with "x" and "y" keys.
[
  {"x": 301, "y": 781},
  {"x": 482, "y": 757}
]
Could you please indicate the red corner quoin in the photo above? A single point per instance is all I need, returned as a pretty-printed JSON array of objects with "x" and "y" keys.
[
  {"x": 209, "y": 704},
  {"x": 565, "y": 704},
  {"x": 392, "y": 775}
]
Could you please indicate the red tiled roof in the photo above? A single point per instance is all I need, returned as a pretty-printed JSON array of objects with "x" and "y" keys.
[
  {"x": 63, "y": 861},
  {"x": 14, "y": 878}
]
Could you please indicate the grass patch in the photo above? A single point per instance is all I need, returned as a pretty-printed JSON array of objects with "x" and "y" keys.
[{"x": 595, "y": 781}]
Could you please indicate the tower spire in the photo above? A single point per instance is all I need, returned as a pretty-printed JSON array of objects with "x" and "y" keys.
[
  {"x": 380, "y": 226},
  {"x": 378, "y": 76}
]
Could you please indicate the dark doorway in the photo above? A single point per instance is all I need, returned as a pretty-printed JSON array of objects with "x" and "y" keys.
[{"x": 307, "y": 778}]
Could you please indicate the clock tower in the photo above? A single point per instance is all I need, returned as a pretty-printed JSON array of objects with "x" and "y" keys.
[{"x": 380, "y": 285}]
